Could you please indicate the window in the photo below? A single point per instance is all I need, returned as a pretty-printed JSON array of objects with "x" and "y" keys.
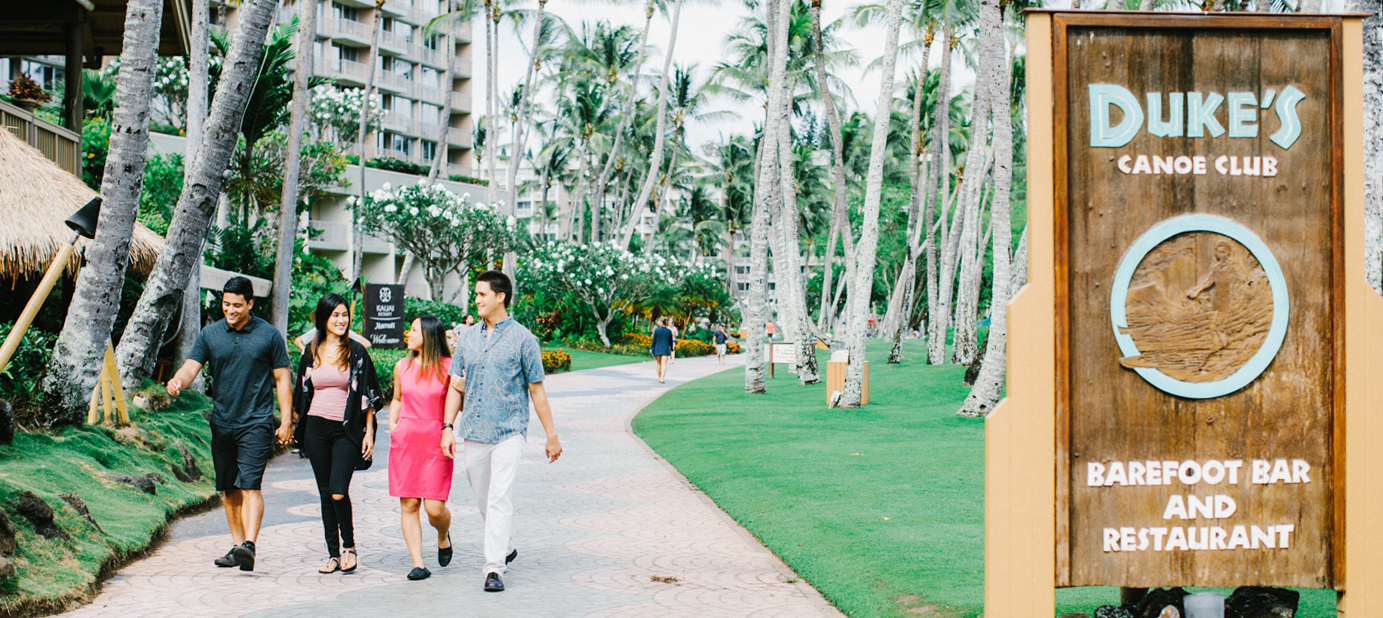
[
  {"x": 387, "y": 24},
  {"x": 429, "y": 149},
  {"x": 741, "y": 270},
  {"x": 743, "y": 287},
  {"x": 399, "y": 143},
  {"x": 347, "y": 53},
  {"x": 431, "y": 43},
  {"x": 341, "y": 11},
  {"x": 431, "y": 114},
  {"x": 404, "y": 69},
  {"x": 431, "y": 78},
  {"x": 772, "y": 285}
]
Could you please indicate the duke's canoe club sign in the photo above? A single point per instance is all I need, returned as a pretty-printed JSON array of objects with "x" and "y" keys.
[{"x": 1189, "y": 184}]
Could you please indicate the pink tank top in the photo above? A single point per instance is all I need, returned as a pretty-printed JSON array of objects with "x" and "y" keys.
[{"x": 331, "y": 386}]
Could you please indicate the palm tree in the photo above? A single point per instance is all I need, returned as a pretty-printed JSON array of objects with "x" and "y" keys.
[
  {"x": 357, "y": 233},
  {"x": 455, "y": 15},
  {"x": 197, "y": 91},
  {"x": 627, "y": 113},
  {"x": 288, "y": 205},
  {"x": 869, "y": 234},
  {"x": 659, "y": 132},
  {"x": 543, "y": 32},
  {"x": 77, "y": 359},
  {"x": 182, "y": 248}
]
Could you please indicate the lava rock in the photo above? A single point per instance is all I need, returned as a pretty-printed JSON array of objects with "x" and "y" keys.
[
  {"x": 189, "y": 466},
  {"x": 39, "y": 514},
  {"x": 1158, "y": 599},
  {"x": 6, "y": 423},
  {"x": 7, "y": 568},
  {"x": 156, "y": 477},
  {"x": 142, "y": 483},
  {"x": 79, "y": 506},
  {"x": 1260, "y": 602},
  {"x": 7, "y": 532},
  {"x": 1110, "y": 611}
]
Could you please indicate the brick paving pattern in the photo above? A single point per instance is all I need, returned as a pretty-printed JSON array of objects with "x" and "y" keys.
[{"x": 610, "y": 531}]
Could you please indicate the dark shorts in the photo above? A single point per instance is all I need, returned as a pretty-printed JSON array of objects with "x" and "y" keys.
[{"x": 239, "y": 454}]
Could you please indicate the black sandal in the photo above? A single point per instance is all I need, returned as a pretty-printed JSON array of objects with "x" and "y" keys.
[
  {"x": 357, "y": 560},
  {"x": 335, "y": 566}
]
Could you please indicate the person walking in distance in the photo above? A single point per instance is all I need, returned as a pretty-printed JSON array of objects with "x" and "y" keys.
[
  {"x": 248, "y": 360},
  {"x": 335, "y": 398},
  {"x": 662, "y": 347},
  {"x": 501, "y": 368},
  {"x": 672, "y": 354},
  {"x": 720, "y": 339},
  {"x": 419, "y": 472}
]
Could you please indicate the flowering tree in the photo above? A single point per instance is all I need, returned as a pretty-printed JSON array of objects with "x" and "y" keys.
[
  {"x": 335, "y": 112},
  {"x": 441, "y": 229},
  {"x": 606, "y": 278}
]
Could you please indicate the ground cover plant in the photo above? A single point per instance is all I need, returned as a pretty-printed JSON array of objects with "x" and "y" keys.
[
  {"x": 881, "y": 508},
  {"x": 56, "y": 573}
]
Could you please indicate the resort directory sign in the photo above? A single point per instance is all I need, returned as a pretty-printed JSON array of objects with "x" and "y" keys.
[{"x": 1202, "y": 220}]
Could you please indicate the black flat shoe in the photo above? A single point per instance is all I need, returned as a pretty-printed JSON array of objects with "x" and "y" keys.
[
  {"x": 227, "y": 560},
  {"x": 244, "y": 555},
  {"x": 444, "y": 553},
  {"x": 513, "y": 555},
  {"x": 418, "y": 574},
  {"x": 493, "y": 583},
  {"x": 353, "y": 555}
]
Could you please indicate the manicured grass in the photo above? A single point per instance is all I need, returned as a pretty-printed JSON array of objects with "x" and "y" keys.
[
  {"x": 585, "y": 359},
  {"x": 54, "y": 574},
  {"x": 880, "y": 508}
]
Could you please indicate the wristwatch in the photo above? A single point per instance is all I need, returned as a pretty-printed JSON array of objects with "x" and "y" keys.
[{"x": 447, "y": 426}]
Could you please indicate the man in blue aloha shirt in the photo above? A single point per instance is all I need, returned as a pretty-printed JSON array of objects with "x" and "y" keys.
[{"x": 501, "y": 366}]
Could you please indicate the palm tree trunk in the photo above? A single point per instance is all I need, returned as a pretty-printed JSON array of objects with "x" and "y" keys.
[
  {"x": 76, "y": 362},
  {"x": 181, "y": 250},
  {"x": 897, "y": 314},
  {"x": 797, "y": 325},
  {"x": 1019, "y": 276},
  {"x": 939, "y": 209},
  {"x": 491, "y": 95},
  {"x": 660, "y": 137},
  {"x": 516, "y": 149},
  {"x": 989, "y": 384},
  {"x": 297, "y": 125},
  {"x": 576, "y": 214},
  {"x": 357, "y": 229},
  {"x": 869, "y": 234},
  {"x": 442, "y": 157},
  {"x": 839, "y": 218},
  {"x": 1373, "y": 140},
  {"x": 196, "y": 118},
  {"x": 627, "y": 115}
]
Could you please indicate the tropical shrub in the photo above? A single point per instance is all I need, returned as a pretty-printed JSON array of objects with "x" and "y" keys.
[
  {"x": 335, "y": 112},
  {"x": 606, "y": 279},
  {"x": 692, "y": 347},
  {"x": 391, "y": 164},
  {"x": 95, "y": 143},
  {"x": 20, "y": 379},
  {"x": 446, "y": 312},
  {"x": 470, "y": 180}
]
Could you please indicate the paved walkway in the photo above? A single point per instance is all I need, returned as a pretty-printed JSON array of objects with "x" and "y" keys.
[{"x": 593, "y": 531}]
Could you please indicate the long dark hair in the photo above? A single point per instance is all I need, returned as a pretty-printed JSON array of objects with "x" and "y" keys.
[
  {"x": 434, "y": 349},
  {"x": 325, "y": 307}
]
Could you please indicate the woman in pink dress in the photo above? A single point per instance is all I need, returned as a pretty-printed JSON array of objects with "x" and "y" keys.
[{"x": 419, "y": 473}]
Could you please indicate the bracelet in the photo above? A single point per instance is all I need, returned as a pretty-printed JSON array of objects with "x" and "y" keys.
[{"x": 447, "y": 426}]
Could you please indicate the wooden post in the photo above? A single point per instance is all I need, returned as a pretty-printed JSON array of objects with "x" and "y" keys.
[{"x": 112, "y": 373}]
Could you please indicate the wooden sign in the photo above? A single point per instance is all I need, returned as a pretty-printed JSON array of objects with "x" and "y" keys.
[
  {"x": 1194, "y": 279},
  {"x": 384, "y": 320},
  {"x": 1200, "y": 372}
]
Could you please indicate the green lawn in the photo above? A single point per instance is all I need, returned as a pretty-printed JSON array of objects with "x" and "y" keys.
[
  {"x": 55, "y": 574},
  {"x": 584, "y": 359},
  {"x": 881, "y": 508}
]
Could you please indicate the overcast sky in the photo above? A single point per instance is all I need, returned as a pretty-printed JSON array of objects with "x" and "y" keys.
[{"x": 700, "y": 41}]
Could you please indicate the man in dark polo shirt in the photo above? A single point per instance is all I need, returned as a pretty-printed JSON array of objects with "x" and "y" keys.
[{"x": 248, "y": 361}]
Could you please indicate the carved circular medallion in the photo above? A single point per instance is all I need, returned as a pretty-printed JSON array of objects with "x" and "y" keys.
[{"x": 1199, "y": 306}]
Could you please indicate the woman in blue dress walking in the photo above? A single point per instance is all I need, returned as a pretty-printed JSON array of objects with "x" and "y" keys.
[{"x": 662, "y": 346}]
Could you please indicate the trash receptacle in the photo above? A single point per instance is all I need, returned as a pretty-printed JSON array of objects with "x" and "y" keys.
[{"x": 835, "y": 378}]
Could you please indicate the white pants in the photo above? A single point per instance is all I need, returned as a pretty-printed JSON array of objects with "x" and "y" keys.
[{"x": 492, "y": 469}]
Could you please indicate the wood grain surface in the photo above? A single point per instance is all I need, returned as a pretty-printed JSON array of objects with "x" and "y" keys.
[{"x": 1208, "y": 294}]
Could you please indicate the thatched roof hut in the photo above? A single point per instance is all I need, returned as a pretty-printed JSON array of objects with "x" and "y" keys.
[{"x": 36, "y": 197}]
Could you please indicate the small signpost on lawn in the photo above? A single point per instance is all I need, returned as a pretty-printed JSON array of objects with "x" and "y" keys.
[
  {"x": 384, "y": 321},
  {"x": 1192, "y": 360}
]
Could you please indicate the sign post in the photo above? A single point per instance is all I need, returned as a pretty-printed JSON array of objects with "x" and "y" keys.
[
  {"x": 1196, "y": 255},
  {"x": 384, "y": 321}
]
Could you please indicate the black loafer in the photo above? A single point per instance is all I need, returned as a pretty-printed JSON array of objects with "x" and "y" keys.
[
  {"x": 444, "y": 553},
  {"x": 419, "y": 573},
  {"x": 513, "y": 555},
  {"x": 493, "y": 583},
  {"x": 245, "y": 556},
  {"x": 227, "y": 560}
]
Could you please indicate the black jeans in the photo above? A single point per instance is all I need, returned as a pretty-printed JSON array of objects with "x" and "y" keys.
[{"x": 333, "y": 460}]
